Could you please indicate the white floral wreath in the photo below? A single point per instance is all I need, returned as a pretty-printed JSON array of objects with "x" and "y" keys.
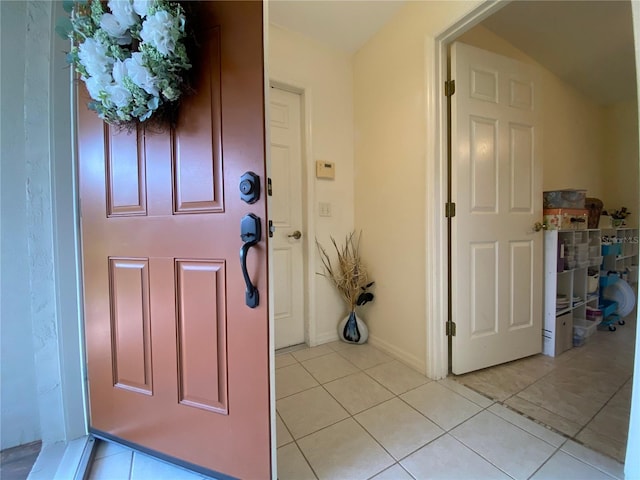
[{"x": 132, "y": 59}]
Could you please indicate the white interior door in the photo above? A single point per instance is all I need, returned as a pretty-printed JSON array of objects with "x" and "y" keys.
[
  {"x": 497, "y": 188},
  {"x": 286, "y": 214}
]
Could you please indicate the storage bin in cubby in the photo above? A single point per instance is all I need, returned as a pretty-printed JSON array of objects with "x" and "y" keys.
[
  {"x": 612, "y": 249},
  {"x": 582, "y": 330}
]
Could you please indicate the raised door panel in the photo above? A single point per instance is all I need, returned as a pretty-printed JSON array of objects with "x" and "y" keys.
[
  {"x": 198, "y": 154},
  {"x": 281, "y": 201},
  {"x": 201, "y": 332},
  {"x": 130, "y": 324},
  {"x": 484, "y": 165},
  {"x": 484, "y": 289},
  {"x": 521, "y": 157},
  {"x": 522, "y": 271},
  {"x": 126, "y": 168}
]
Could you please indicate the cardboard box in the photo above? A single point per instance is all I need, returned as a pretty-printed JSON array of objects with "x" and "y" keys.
[{"x": 566, "y": 218}]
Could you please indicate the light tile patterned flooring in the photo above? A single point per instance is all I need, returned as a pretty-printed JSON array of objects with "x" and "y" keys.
[
  {"x": 585, "y": 393},
  {"x": 350, "y": 412}
]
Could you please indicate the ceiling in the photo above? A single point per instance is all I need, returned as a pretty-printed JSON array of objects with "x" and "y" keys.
[
  {"x": 588, "y": 44},
  {"x": 343, "y": 24}
]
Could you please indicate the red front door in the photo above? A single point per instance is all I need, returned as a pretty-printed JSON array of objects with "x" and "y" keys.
[{"x": 178, "y": 363}]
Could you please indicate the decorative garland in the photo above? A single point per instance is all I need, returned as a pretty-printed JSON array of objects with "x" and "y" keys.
[{"x": 131, "y": 56}]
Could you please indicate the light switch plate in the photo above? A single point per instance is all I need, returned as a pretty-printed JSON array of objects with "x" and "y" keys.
[
  {"x": 324, "y": 209},
  {"x": 325, "y": 169}
]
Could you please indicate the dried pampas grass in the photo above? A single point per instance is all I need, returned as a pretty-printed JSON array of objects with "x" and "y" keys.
[{"x": 347, "y": 273}]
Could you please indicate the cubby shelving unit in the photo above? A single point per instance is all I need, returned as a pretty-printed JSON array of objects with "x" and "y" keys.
[{"x": 568, "y": 278}]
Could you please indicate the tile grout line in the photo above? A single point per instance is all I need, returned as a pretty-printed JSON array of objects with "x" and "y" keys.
[
  {"x": 555, "y": 452},
  {"x": 306, "y": 459},
  {"x": 601, "y": 408},
  {"x": 131, "y": 466}
]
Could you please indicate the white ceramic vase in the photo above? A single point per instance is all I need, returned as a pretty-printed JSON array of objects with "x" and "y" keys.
[{"x": 353, "y": 330}]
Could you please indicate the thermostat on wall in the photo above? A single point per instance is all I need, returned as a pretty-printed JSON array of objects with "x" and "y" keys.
[{"x": 325, "y": 169}]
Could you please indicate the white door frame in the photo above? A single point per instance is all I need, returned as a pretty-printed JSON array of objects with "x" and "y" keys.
[
  {"x": 308, "y": 206},
  {"x": 437, "y": 294}
]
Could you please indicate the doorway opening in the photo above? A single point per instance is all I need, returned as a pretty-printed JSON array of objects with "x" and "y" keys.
[{"x": 518, "y": 380}]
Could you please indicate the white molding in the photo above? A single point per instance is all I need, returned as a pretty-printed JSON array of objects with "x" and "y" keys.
[{"x": 272, "y": 326}]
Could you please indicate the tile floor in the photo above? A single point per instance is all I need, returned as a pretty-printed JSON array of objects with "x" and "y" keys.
[
  {"x": 349, "y": 412},
  {"x": 585, "y": 393},
  {"x": 114, "y": 462},
  {"x": 353, "y": 412}
]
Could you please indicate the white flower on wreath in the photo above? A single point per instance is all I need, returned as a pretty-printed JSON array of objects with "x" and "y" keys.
[
  {"x": 97, "y": 84},
  {"x": 115, "y": 29},
  {"x": 140, "y": 75},
  {"x": 119, "y": 95},
  {"x": 124, "y": 12},
  {"x": 93, "y": 56},
  {"x": 141, "y": 7},
  {"x": 159, "y": 31}
]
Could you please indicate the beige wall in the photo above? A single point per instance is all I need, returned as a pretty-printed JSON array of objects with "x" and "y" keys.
[
  {"x": 620, "y": 162},
  {"x": 326, "y": 75},
  {"x": 573, "y": 139},
  {"x": 390, "y": 191}
]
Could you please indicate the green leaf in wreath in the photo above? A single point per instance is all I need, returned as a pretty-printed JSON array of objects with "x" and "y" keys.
[
  {"x": 67, "y": 5},
  {"x": 64, "y": 27}
]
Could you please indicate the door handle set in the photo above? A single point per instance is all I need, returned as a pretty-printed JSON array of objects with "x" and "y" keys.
[{"x": 250, "y": 233}]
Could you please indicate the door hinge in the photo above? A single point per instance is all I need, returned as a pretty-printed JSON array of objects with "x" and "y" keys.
[
  {"x": 450, "y": 329},
  {"x": 450, "y": 209},
  {"x": 449, "y": 87},
  {"x": 269, "y": 188}
]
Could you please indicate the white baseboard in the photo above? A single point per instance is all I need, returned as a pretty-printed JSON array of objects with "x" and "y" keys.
[{"x": 410, "y": 360}]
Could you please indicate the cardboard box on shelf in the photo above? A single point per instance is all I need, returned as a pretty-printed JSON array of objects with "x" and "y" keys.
[{"x": 566, "y": 218}]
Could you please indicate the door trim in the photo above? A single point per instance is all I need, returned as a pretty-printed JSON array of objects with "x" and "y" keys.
[
  {"x": 437, "y": 294},
  {"x": 308, "y": 203}
]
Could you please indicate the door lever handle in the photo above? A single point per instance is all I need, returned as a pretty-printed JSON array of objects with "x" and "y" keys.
[
  {"x": 296, "y": 235},
  {"x": 250, "y": 233}
]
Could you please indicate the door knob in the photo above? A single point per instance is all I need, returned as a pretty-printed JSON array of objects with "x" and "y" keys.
[
  {"x": 539, "y": 226},
  {"x": 297, "y": 235}
]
